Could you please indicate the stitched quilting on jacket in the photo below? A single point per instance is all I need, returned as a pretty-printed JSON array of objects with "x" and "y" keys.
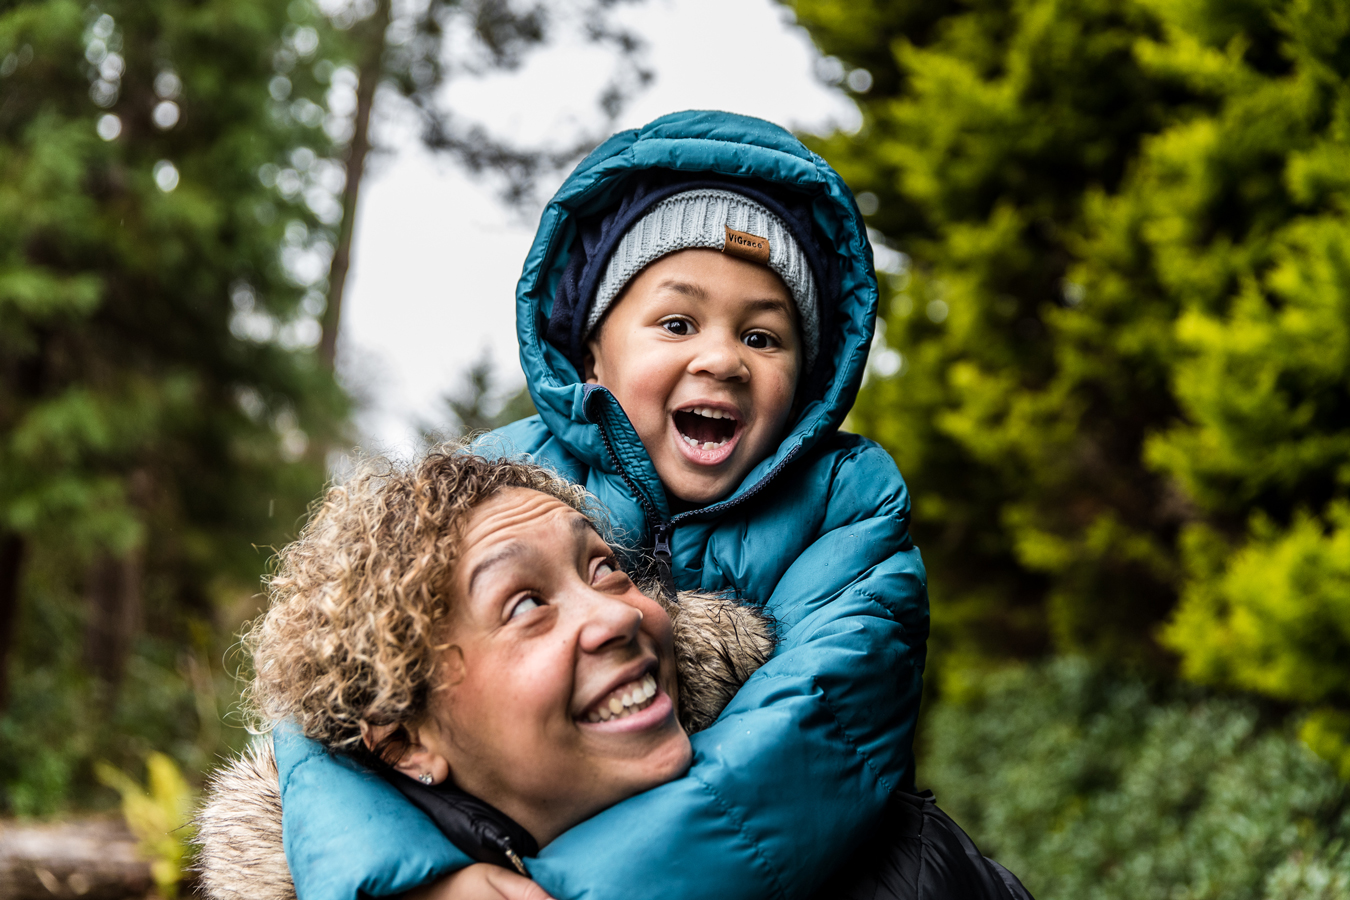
[{"x": 811, "y": 747}]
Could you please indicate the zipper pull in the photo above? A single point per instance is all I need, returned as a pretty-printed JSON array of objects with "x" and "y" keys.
[
  {"x": 504, "y": 844},
  {"x": 517, "y": 862},
  {"x": 661, "y": 533}
]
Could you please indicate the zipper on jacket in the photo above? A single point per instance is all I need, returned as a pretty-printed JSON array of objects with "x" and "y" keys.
[
  {"x": 504, "y": 844},
  {"x": 763, "y": 482},
  {"x": 661, "y": 533},
  {"x": 664, "y": 529}
]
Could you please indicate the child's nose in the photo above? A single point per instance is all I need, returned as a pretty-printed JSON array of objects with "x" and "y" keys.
[{"x": 720, "y": 356}]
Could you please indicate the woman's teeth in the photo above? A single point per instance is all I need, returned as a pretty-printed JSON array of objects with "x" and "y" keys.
[{"x": 626, "y": 700}]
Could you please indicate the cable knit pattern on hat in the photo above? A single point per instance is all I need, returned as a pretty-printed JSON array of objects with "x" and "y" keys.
[{"x": 699, "y": 218}]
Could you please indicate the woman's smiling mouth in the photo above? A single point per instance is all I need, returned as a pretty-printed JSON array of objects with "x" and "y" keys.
[
  {"x": 625, "y": 700},
  {"x": 635, "y": 706}
]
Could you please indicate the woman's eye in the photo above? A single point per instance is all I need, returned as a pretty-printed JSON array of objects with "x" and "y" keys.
[
  {"x": 676, "y": 326},
  {"x": 604, "y": 570},
  {"x": 525, "y": 606},
  {"x": 758, "y": 340}
]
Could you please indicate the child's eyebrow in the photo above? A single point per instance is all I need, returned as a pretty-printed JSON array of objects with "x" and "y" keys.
[
  {"x": 769, "y": 304},
  {"x": 765, "y": 304},
  {"x": 684, "y": 287}
]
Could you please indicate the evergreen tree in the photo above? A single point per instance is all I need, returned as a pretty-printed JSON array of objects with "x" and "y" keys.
[
  {"x": 179, "y": 179},
  {"x": 168, "y": 186},
  {"x": 476, "y": 405},
  {"x": 1115, "y": 366}
]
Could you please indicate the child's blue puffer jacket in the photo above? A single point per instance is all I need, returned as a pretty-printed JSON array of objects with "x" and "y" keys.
[{"x": 804, "y": 757}]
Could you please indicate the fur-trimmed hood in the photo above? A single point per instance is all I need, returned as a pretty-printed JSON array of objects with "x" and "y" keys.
[{"x": 718, "y": 645}]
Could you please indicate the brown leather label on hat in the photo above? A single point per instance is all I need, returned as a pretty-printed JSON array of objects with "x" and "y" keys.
[{"x": 747, "y": 246}]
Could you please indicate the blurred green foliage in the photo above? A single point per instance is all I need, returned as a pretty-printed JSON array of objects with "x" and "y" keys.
[
  {"x": 178, "y": 184},
  {"x": 1093, "y": 786},
  {"x": 168, "y": 182},
  {"x": 477, "y": 404},
  {"x": 1115, "y": 363},
  {"x": 159, "y": 815}
]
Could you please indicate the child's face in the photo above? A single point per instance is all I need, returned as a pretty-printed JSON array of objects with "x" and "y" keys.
[
  {"x": 702, "y": 352},
  {"x": 547, "y": 636}
]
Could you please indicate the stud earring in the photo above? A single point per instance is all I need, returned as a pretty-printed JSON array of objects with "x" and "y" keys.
[{"x": 425, "y": 778}]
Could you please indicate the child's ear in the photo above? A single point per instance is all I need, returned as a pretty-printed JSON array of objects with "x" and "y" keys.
[
  {"x": 418, "y": 761},
  {"x": 588, "y": 366}
]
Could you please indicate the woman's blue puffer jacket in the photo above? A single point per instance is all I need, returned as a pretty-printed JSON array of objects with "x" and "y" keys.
[{"x": 804, "y": 758}]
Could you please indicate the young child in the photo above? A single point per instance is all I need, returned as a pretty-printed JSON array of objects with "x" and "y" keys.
[{"x": 694, "y": 321}]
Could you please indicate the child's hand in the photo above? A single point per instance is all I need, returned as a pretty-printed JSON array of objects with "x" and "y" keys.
[{"x": 480, "y": 881}]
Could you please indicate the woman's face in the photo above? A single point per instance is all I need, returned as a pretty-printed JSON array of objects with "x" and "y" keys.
[{"x": 559, "y": 686}]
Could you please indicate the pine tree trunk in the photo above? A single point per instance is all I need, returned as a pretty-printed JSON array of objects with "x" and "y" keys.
[
  {"x": 11, "y": 567},
  {"x": 113, "y": 595},
  {"x": 369, "y": 71}
]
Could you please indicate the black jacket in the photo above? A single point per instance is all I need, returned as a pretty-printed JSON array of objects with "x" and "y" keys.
[{"x": 916, "y": 852}]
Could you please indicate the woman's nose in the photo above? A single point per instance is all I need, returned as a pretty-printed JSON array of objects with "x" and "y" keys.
[
  {"x": 719, "y": 355},
  {"x": 609, "y": 622}
]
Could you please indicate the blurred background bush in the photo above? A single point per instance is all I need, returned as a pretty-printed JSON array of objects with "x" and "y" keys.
[
  {"x": 1113, "y": 364},
  {"x": 1115, "y": 371}
]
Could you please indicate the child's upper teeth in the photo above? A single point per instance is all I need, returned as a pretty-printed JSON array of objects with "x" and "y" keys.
[{"x": 709, "y": 412}]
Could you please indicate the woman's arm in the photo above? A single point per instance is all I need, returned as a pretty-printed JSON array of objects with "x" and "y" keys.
[
  {"x": 802, "y": 759},
  {"x": 781, "y": 785}
]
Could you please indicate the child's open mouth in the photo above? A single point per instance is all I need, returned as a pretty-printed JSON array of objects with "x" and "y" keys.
[{"x": 704, "y": 428}]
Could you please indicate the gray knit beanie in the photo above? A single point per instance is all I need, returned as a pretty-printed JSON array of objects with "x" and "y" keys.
[{"x": 718, "y": 220}]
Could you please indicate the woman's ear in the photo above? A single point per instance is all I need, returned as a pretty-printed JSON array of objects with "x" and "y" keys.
[
  {"x": 418, "y": 760},
  {"x": 588, "y": 366}
]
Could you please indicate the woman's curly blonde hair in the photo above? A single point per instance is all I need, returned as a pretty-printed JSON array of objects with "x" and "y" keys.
[{"x": 358, "y": 598}]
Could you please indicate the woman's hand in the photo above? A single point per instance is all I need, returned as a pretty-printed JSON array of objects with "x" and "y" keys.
[{"x": 480, "y": 881}]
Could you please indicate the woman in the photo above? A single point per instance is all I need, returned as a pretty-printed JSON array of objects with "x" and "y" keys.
[{"x": 463, "y": 627}]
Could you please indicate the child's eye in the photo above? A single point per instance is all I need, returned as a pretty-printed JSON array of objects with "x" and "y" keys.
[
  {"x": 524, "y": 606},
  {"x": 676, "y": 326},
  {"x": 758, "y": 340}
]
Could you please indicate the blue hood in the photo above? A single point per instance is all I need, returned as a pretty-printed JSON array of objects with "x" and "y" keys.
[{"x": 693, "y": 142}]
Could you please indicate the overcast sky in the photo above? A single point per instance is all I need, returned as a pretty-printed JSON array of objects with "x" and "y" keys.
[{"x": 436, "y": 255}]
